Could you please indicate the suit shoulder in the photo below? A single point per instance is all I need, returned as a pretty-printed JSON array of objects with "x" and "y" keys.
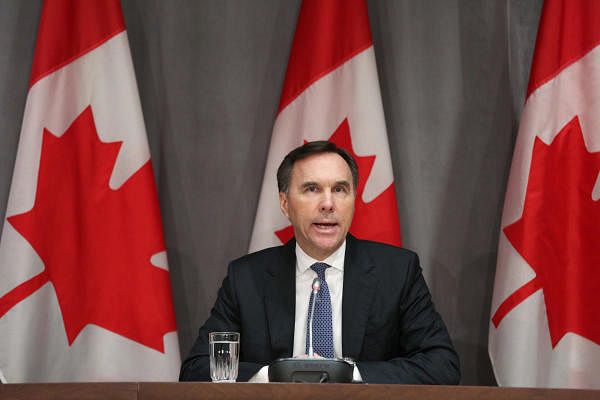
[
  {"x": 261, "y": 258},
  {"x": 378, "y": 250}
]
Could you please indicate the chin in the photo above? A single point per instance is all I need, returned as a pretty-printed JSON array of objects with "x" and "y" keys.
[{"x": 328, "y": 246}]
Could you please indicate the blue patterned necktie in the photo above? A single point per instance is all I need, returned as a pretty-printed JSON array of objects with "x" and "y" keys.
[{"x": 322, "y": 328}]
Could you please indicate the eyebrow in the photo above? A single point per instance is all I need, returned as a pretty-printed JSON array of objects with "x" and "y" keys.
[
  {"x": 309, "y": 183},
  {"x": 344, "y": 183}
]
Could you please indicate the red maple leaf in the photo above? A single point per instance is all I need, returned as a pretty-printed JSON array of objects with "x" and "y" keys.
[
  {"x": 96, "y": 242},
  {"x": 559, "y": 236},
  {"x": 376, "y": 220}
]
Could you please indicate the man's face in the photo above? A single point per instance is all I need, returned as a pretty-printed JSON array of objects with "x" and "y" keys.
[{"x": 319, "y": 203}]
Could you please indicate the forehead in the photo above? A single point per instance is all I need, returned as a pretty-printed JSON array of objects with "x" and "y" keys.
[{"x": 323, "y": 167}]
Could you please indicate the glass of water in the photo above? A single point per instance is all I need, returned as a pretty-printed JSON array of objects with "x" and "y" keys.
[{"x": 224, "y": 356}]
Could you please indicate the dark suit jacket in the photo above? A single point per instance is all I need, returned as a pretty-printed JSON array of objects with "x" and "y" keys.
[{"x": 389, "y": 324}]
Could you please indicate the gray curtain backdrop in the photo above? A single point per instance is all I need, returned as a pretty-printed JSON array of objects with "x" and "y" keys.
[{"x": 453, "y": 76}]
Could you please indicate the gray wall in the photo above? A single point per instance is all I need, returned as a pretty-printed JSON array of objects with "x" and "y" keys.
[{"x": 453, "y": 76}]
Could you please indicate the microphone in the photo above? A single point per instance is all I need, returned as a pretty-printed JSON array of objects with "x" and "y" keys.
[
  {"x": 311, "y": 369},
  {"x": 315, "y": 291},
  {"x": 316, "y": 286}
]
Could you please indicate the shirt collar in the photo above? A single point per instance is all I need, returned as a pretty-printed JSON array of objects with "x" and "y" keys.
[{"x": 335, "y": 260}]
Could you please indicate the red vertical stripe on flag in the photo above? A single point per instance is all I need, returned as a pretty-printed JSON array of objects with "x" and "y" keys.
[
  {"x": 567, "y": 31},
  {"x": 94, "y": 21},
  {"x": 328, "y": 33}
]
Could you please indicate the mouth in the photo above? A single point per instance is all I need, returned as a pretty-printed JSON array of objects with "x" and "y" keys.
[{"x": 325, "y": 226}]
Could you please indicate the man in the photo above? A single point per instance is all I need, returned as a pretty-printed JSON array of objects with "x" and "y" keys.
[{"x": 380, "y": 310}]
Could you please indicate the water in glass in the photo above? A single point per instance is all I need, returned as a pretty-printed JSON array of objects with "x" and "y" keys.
[{"x": 224, "y": 356}]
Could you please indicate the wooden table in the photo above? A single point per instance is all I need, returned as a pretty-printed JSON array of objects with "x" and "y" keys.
[{"x": 224, "y": 391}]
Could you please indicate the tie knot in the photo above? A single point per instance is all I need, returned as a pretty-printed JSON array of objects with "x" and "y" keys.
[{"x": 320, "y": 268}]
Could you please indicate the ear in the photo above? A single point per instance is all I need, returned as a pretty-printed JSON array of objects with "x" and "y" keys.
[{"x": 283, "y": 204}]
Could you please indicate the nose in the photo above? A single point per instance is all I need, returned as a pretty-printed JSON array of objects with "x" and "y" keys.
[{"x": 326, "y": 204}]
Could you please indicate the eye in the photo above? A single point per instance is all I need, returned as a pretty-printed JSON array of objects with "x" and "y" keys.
[
  {"x": 340, "y": 189},
  {"x": 311, "y": 189}
]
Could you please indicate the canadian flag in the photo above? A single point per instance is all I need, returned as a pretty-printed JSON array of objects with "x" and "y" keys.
[
  {"x": 545, "y": 325},
  {"x": 331, "y": 92},
  {"x": 84, "y": 290}
]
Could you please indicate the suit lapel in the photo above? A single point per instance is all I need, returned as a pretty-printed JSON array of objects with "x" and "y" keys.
[
  {"x": 359, "y": 286},
  {"x": 280, "y": 301}
]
